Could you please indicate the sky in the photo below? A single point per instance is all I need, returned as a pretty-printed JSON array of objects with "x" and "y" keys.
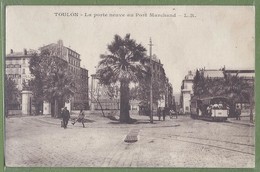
[{"x": 210, "y": 37}]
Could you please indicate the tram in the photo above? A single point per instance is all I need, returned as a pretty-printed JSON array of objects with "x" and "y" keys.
[{"x": 210, "y": 108}]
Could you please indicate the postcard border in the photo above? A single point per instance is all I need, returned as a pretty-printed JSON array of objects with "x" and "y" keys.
[{"x": 5, "y": 3}]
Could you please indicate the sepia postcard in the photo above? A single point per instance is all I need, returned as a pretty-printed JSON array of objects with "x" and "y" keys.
[{"x": 130, "y": 86}]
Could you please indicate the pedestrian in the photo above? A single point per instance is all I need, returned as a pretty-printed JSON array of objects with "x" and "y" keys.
[
  {"x": 164, "y": 113},
  {"x": 238, "y": 113},
  {"x": 80, "y": 118},
  {"x": 65, "y": 114},
  {"x": 159, "y": 112},
  {"x": 171, "y": 113}
]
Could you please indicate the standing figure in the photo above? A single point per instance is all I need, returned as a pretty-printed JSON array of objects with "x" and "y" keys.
[
  {"x": 238, "y": 113},
  {"x": 159, "y": 112},
  {"x": 164, "y": 113},
  {"x": 80, "y": 118},
  {"x": 65, "y": 114},
  {"x": 172, "y": 113}
]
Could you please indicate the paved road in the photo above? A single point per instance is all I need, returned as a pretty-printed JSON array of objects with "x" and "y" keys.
[{"x": 182, "y": 142}]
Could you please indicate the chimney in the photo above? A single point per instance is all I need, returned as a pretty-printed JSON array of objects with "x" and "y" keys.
[
  {"x": 25, "y": 51},
  {"x": 12, "y": 51},
  {"x": 60, "y": 42}
]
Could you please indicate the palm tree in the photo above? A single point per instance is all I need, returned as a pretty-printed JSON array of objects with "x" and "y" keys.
[
  {"x": 56, "y": 82},
  {"x": 59, "y": 84},
  {"x": 124, "y": 64},
  {"x": 240, "y": 89}
]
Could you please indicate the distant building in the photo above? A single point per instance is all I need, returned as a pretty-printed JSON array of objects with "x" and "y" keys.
[
  {"x": 157, "y": 67},
  {"x": 187, "y": 85},
  {"x": 248, "y": 75},
  {"x": 84, "y": 96},
  {"x": 186, "y": 92},
  {"x": 113, "y": 103},
  {"x": 103, "y": 97},
  {"x": 80, "y": 75},
  {"x": 159, "y": 72},
  {"x": 212, "y": 73},
  {"x": 17, "y": 67}
]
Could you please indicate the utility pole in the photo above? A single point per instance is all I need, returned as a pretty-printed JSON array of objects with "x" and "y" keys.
[{"x": 151, "y": 83}]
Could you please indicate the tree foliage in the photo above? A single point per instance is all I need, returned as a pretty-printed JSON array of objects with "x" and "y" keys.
[
  {"x": 11, "y": 95},
  {"x": 53, "y": 81},
  {"x": 237, "y": 89},
  {"x": 142, "y": 90},
  {"x": 124, "y": 64}
]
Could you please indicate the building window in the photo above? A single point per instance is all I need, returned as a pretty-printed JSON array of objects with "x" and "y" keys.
[
  {"x": 11, "y": 66},
  {"x": 23, "y": 71},
  {"x": 18, "y": 66},
  {"x": 23, "y": 60}
]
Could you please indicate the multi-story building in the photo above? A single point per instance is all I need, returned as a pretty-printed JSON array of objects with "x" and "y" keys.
[
  {"x": 170, "y": 99},
  {"x": 80, "y": 74},
  {"x": 186, "y": 92},
  {"x": 159, "y": 75},
  {"x": 157, "y": 68},
  {"x": 17, "y": 67}
]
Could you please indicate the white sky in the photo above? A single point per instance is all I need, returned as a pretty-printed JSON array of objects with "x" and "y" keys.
[{"x": 217, "y": 36}]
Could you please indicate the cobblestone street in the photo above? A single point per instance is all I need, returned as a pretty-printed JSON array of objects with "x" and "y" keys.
[{"x": 183, "y": 142}]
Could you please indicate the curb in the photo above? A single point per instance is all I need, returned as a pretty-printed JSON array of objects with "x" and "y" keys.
[{"x": 241, "y": 123}]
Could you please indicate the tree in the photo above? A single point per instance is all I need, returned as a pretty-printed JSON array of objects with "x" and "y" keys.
[
  {"x": 36, "y": 84},
  {"x": 11, "y": 94},
  {"x": 198, "y": 84},
  {"x": 123, "y": 64},
  {"x": 53, "y": 82},
  {"x": 142, "y": 90},
  {"x": 240, "y": 89},
  {"x": 236, "y": 88}
]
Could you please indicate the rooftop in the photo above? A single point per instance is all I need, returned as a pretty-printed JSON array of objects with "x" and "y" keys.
[
  {"x": 25, "y": 53},
  {"x": 211, "y": 73}
]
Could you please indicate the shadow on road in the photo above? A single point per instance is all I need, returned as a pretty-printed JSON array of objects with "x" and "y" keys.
[{"x": 88, "y": 121}]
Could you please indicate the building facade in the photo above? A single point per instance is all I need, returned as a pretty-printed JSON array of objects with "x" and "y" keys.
[
  {"x": 187, "y": 85},
  {"x": 17, "y": 67},
  {"x": 104, "y": 97},
  {"x": 158, "y": 71},
  {"x": 80, "y": 75},
  {"x": 186, "y": 92}
]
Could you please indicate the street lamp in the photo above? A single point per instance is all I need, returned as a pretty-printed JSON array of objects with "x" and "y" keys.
[{"x": 151, "y": 83}]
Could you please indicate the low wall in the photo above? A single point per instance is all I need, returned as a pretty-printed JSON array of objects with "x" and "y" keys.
[
  {"x": 97, "y": 112},
  {"x": 14, "y": 112}
]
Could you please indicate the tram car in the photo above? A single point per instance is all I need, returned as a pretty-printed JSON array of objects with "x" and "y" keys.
[{"x": 210, "y": 108}]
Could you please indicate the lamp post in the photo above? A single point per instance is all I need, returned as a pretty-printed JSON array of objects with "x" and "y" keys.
[{"x": 151, "y": 83}]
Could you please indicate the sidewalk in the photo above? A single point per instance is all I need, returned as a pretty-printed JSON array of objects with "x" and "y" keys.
[
  {"x": 98, "y": 121},
  {"x": 245, "y": 120}
]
